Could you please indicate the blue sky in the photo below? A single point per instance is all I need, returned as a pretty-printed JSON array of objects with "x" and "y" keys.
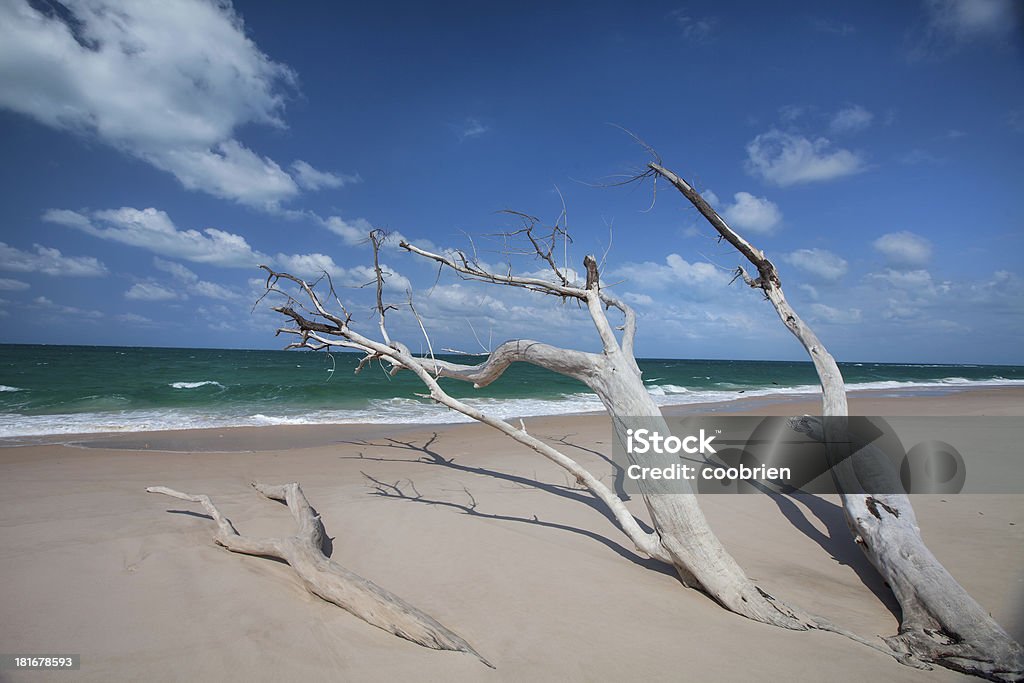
[{"x": 153, "y": 154}]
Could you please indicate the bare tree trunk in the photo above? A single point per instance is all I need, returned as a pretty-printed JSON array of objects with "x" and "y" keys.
[
  {"x": 682, "y": 535},
  {"x": 940, "y": 623},
  {"x": 325, "y": 578}
]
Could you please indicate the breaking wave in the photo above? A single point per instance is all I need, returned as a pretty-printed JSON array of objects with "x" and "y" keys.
[
  {"x": 414, "y": 410},
  {"x": 195, "y": 385}
]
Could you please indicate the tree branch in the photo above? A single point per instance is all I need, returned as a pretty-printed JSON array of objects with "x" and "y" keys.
[{"x": 940, "y": 621}]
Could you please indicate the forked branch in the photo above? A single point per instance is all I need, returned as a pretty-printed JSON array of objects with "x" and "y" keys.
[{"x": 580, "y": 365}]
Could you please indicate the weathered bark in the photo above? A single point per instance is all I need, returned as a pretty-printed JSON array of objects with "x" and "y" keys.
[
  {"x": 682, "y": 535},
  {"x": 940, "y": 622},
  {"x": 326, "y": 578}
]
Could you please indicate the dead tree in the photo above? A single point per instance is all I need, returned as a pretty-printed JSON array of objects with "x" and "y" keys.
[
  {"x": 682, "y": 537},
  {"x": 941, "y": 622}
]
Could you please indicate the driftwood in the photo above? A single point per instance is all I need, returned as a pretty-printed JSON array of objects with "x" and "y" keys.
[
  {"x": 324, "y": 577},
  {"x": 681, "y": 536},
  {"x": 941, "y": 623}
]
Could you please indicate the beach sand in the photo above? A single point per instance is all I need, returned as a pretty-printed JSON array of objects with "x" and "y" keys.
[{"x": 532, "y": 574}]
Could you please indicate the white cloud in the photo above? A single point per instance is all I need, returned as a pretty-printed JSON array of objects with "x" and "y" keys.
[
  {"x": 851, "y": 119},
  {"x": 229, "y": 170},
  {"x": 675, "y": 270},
  {"x": 358, "y": 276},
  {"x": 167, "y": 82},
  {"x": 212, "y": 290},
  {"x": 307, "y": 265},
  {"x": 904, "y": 248},
  {"x": 133, "y": 319},
  {"x": 753, "y": 214},
  {"x": 811, "y": 290},
  {"x": 791, "y": 112},
  {"x": 49, "y": 261},
  {"x": 919, "y": 280},
  {"x": 951, "y": 23},
  {"x": 546, "y": 273},
  {"x": 80, "y": 313},
  {"x": 834, "y": 315},
  {"x": 180, "y": 272},
  {"x": 356, "y": 232},
  {"x": 352, "y": 232},
  {"x": 153, "y": 229},
  {"x": 8, "y": 285},
  {"x": 902, "y": 295},
  {"x": 150, "y": 291},
  {"x": 311, "y": 266},
  {"x": 915, "y": 300},
  {"x": 311, "y": 179},
  {"x": 710, "y": 197},
  {"x": 788, "y": 159},
  {"x": 472, "y": 316},
  {"x": 694, "y": 273},
  {"x": 471, "y": 128},
  {"x": 730, "y": 319},
  {"x": 637, "y": 299},
  {"x": 820, "y": 262},
  {"x": 458, "y": 298},
  {"x": 192, "y": 282}
]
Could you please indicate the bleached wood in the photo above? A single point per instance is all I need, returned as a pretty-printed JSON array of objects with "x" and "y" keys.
[
  {"x": 324, "y": 577},
  {"x": 940, "y": 621},
  {"x": 682, "y": 536}
]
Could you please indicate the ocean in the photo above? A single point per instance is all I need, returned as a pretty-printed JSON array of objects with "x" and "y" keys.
[{"x": 80, "y": 389}]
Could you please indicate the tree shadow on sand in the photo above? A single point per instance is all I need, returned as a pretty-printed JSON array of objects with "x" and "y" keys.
[
  {"x": 837, "y": 542},
  {"x": 431, "y": 457}
]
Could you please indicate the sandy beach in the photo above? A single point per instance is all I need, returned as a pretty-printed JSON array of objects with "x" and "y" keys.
[{"x": 488, "y": 537}]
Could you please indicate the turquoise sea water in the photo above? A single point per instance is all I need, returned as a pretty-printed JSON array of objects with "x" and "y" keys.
[{"x": 74, "y": 389}]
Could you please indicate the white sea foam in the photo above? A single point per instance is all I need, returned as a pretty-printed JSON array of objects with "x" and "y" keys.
[
  {"x": 416, "y": 411},
  {"x": 667, "y": 390},
  {"x": 195, "y": 385},
  {"x": 924, "y": 365},
  {"x": 5, "y": 388}
]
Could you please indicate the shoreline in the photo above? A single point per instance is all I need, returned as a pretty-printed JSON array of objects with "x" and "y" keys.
[{"x": 270, "y": 437}]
